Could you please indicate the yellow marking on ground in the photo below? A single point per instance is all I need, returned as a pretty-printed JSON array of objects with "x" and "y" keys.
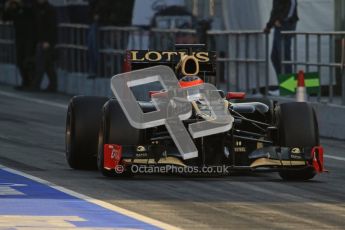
[
  {"x": 93, "y": 201},
  {"x": 20, "y": 222},
  {"x": 13, "y": 221}
]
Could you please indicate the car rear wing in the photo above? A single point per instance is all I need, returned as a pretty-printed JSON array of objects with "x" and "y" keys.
[{"x": 139, "y": 59}]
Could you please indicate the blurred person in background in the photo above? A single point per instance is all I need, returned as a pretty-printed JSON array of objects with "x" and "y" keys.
[
  {"x": 173, "y": 17},
  {"x": 107, "y": 13},
  {"x": 23, "y": 21},
  {"x": 2, "y": 8},
  {"x": 92, "y": 37},
  {"x": 284, "y": 17},
  {"x": 45, "y": 23}
]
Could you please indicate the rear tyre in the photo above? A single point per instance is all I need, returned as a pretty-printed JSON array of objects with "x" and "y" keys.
[
  {"x": 297, "y": 127},
  {"x": 115, "y": 129},
  {"x": 82, "y": 125}
]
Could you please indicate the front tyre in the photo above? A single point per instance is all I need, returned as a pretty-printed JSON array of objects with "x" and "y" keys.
[
  {"x": 298, "y": 175},
  {"x": 297, "y": 127}
]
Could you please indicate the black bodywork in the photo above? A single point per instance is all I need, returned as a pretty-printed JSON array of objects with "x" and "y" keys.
[
  {"x": 265, "y": 135},
  {"x": 254, "y": 133}
]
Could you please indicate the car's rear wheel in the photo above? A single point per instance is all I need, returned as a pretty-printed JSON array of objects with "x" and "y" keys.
[
  {"x": 82, "y": 125},
  {"x": 115, "y": 129},
  {"x": 297, "y": 127}
]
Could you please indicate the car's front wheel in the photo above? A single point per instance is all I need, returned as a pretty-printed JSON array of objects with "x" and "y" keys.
[{"x": 297, "y": 127}]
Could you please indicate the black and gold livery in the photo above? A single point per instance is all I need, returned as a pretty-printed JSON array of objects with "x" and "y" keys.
[
  {"x": 265, "y": 135},
  {"x": 186, "y": 59}
]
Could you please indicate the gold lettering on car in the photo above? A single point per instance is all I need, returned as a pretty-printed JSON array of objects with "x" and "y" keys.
[
  {"x": 141, "y": 56},
  {"x": 240, "y": 149},
  {"x": 134, "y": 56},
  {"x": 202, "y": 56},
  {"x": 182, "y": 54},
  {"x": 169, "y": 55},
  {"x": 153, "y": 56},
  {"x": 182, "y": 64}
]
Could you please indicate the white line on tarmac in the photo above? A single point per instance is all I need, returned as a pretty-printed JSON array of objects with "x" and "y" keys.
[
  {"x": 334, "y": 157},
  {"x": 103, "y": 204},
  {"x": 35, "y": 100}
]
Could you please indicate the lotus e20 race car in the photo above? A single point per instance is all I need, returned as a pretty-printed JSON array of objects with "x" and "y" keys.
[{"x": 167, "y": 112}]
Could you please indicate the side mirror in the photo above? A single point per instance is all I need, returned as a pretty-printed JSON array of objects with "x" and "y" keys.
[{"x": 235, "y": 95}]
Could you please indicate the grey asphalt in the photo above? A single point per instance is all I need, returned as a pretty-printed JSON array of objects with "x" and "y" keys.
[{"x": 32, "y": 141}]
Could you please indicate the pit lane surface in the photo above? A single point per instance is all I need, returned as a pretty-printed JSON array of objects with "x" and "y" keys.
[{"x": 32, "y": 141}]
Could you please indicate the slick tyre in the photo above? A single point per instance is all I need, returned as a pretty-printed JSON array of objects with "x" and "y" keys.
[
  {"x": 299, "y": 175},
  {"x": 115, "y": 129},
  {"x": 82, "y": 126},
  {"x": 297, "y": 127}
]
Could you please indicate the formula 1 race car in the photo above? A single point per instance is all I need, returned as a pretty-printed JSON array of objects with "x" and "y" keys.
[{"x": 258, "y": 134}]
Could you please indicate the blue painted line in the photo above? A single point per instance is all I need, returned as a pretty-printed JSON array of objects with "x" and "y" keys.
[{"x": 36, "y": 199}]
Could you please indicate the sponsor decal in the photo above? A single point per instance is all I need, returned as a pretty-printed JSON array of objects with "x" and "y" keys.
[
  {"x": 239, "y": 148},
  {"x": 296, "y": 157},
  {"x": 112, "y": 156},
  {"x": 141, "y": 148},
  {"x": 184, "y": 61},
  {"x": 165, "y": 56},
  {"x": 296, "y": 151},
  {"x": 296, "y": 154},
  {"x": 141, "y": 152},
  {"x": 141, "y": 155}
]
